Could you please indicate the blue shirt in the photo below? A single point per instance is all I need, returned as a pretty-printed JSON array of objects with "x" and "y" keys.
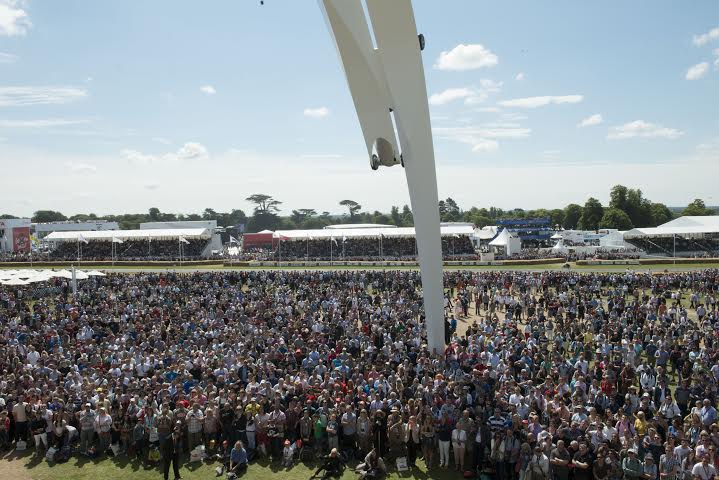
[{"x": 238, "y": 456}]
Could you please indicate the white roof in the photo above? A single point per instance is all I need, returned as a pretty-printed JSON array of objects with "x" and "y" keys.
[
  {"x": 502, "y": 239},
  {"x": 358, "y": 225},
  {"x": 339, "y": 233},
  {"x": 108, "y": 235},
  {"x": 670, "y": 231},
  {"x": 485, "y": 233},
  {"x": 709, "y": 221}
]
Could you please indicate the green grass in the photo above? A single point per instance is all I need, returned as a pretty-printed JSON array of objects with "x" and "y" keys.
[{"x": 28, "y": 467}]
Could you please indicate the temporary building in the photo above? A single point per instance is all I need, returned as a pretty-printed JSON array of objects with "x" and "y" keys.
[{"x": 508, "y": 242}]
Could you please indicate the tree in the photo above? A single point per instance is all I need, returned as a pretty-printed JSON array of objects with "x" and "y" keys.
[
  {"x": 572, "y": 213},
  {"x": 449, "y": 211},
  {"x": 591, "y": 214},
  {"x": 616, "y": 218},
  {"x": 618, "y": 197},
  {"x": 153, "y": 214},
  {"x": 45, "y": 216},
  {"x": 660, "y": 214},
  {"x": 7, "y": 216},
  {"x": 407, "y": 217},
  {"x": 352, "y": 206},
  {"x": 264, "y": 204},
  {"x": 697, "y": 208},
  {"x": 557, "y": 216},
  {"x": 396, "y": 216},
  {"x": 209, "y": 214}
]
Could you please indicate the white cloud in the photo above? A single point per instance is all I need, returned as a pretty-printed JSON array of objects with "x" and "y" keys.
[
  {"x": 482, "y": 138},
  {"x": 450, "y": 95},
  {"x": 14, "y": 20},
  {"x": 489, "y": 109},
  {"x": 151, "y": 185},
  {"x": 716, "y": 62},
  {"x": 319, "y": 112},
  {"x": 189, "y": 151},
  {"x": 519, "y": 77},
  {"x": 551, "y": 153},
  {"x": 208, "y": 90},
  {"x": 591, "y": 120},
  {"x": 7, "y": 57},
  {"x": 78, "y": 167},
  {"x": 534, "y": 102},
  {"x": 192, "y": 151},
  {"x": 24, "y": 96},
  {"x": 162, "y": 140},
  {"x": 697, "y": 71},
  {"x": 485, "y": 145},
  {"x": 642, "y": 129},
  {"x": 41, "y": 123},
  {"x": 471, "y": 95},
  {"x": 705, "y": 38},
  {"x": 466, "y": 57}
]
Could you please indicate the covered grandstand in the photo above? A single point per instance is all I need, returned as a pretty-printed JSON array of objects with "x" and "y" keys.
[
  {"x": 684, "y": 236},
  {"x": 165, "y": 244}
]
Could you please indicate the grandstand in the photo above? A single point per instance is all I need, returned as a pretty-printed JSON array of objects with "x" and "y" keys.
[
  {"x": 684, "y": 237},
  {"x": 157, "y": 244},
  {"x": 366, "y": 242},
  {"x": 533, "y": 232}
]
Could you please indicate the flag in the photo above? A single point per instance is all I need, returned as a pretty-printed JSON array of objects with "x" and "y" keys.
[
  {"x": 116, "y": 240},
  {"x": 82, "y": 239},
  {"x": 184, "y": 240},
  {"x": 334, "y": 240},
  {"x": 233, "y": 239},
  {"x": 344, "y": 239}
]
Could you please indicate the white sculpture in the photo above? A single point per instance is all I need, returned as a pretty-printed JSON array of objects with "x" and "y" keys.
[{"x": 387, "y": 83}]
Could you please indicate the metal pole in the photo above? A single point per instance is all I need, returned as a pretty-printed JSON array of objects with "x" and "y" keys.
[
  {"x": 331, "y": 239},
  {"x": 674, "y": 251},
  {"x": 74, "y": 281}
]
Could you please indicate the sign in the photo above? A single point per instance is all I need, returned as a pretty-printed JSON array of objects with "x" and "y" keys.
[{"x": 21, "y": 239}]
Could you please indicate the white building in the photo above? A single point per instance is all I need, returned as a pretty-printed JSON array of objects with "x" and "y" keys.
[
  {"x": 43, "y": 229},
  {"x": 15, "y": 235}
]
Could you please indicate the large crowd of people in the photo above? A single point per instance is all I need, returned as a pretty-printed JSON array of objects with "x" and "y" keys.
[
  {"x": 142, "y": 249},
  {"x": 551, "y": 374},
  {"x": 385, "y": 248}
]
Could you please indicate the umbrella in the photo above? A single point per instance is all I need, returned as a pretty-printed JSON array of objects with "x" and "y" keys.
[
  {"x": 80, "y": 275},
  {"x": 96, "y": 273},
  {"x": 63, "y": 274}
]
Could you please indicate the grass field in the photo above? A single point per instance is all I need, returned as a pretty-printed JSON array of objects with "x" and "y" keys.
[{"x": 29, "y": 467}]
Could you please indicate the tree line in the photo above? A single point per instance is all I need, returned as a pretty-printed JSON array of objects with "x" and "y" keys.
[{"x": 627, "y": 208}]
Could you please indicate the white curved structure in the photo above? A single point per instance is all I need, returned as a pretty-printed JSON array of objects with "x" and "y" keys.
[{"x": 386, "y": 79}]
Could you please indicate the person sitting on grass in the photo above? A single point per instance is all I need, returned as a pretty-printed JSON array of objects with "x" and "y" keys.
[
  {"x": 332, "y": 466},
  {"x": 238, "y": 460}
]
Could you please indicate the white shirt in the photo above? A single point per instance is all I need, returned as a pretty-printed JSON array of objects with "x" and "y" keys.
[{"x": 704, "y": 472}]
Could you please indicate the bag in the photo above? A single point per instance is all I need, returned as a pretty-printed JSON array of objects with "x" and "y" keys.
[
  {"x": 154, "y": 436},
  {"x": 115, "y": 449},
  {"x": 50, "y": 454},
  {"x": 198, "y": 454},
  {"x": 219, "y": 470},
  {"x": 153, "y": 455},
  {"x": 231, "y": 476},
  {"x": 402, "y": 464},
  {"x": 21, "y": 445}
]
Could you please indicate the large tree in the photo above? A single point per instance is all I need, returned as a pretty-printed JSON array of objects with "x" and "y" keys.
[
  {"x": 661, "y": 214},
  {"x": 352, "y": 207},
  {"x": 264, "y": 203},
  {"x": 44, "y": 216},
  {"x": 697, "y": 208},
  {"x": 591, "y": 214},
  {"x": 572, "y": 214},
  {"x": 615, "y": 218}
]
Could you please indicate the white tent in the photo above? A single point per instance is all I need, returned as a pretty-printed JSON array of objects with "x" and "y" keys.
[
  {"x": 96, "y": 273},
  {"x": 506, "y": 240},
  {"x": 560, "y": 248}
]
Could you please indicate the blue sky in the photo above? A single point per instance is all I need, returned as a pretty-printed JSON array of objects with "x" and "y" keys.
[{"x": 120, "y": 106}]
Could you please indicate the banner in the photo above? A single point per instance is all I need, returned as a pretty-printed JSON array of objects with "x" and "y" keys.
[{"x": 21, "y": 239}]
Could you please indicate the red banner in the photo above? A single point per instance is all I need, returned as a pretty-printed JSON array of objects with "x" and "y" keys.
[{"x": 21, "y": 239}]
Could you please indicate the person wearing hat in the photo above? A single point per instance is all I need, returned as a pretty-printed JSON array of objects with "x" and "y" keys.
[
  {"x": 632, "y": 466},
  {"x": 288, "y": 454}
]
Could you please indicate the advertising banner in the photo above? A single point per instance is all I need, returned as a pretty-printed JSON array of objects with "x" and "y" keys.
[{"x": 21, "y": 239}]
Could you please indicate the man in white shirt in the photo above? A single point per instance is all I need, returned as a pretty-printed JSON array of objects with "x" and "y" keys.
[
  {"x": 539, "y": 464},
  {"x": 704, "y": 470}
]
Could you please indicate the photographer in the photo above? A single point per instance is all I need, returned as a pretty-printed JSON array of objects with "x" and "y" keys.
[{"x": 332, "y": 466}]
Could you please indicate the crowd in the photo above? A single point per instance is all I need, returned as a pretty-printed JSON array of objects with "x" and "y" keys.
[
  {"x": 353, "y": 249},
  {"x": 546, "y": 375},
  {"x": 130, "y": 250}
]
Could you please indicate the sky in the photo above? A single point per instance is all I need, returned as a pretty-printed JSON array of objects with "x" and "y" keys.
[{"x": 114, "y": 107}]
